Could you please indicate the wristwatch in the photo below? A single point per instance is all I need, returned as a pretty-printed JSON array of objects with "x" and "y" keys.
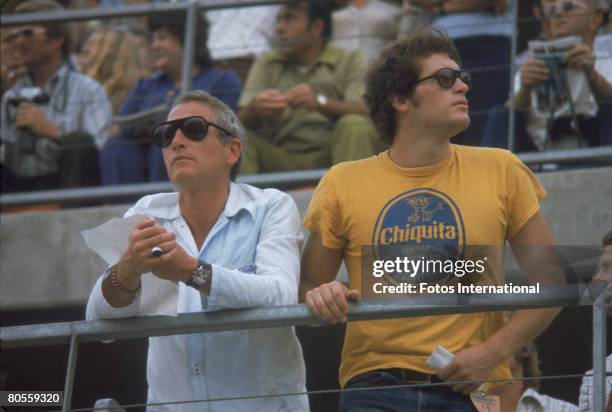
[
  {"x": 322, "y": 100},
  {"x": 200, "y": 276}
]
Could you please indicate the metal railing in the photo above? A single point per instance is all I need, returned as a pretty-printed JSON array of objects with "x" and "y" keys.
[
  {"x": 285, "y": 180},
  {"x": 294, "y": 315},
  {"x": 278, "y": 180},
  {"x": 282, "y": 181}
]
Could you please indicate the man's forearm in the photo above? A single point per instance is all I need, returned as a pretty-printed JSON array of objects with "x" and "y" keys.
[
  {"x": 303, "y": 289},
  {"x": 112, "y": 293},
  {"x": 524, "y": 326}
]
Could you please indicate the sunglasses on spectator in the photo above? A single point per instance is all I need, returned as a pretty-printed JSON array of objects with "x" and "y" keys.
[
  {"x": 27, "y": 33},
  {"x": 194, "y": 128},
  {"x": 564, "y": 6},
  {"x": 446, "y": 78}
]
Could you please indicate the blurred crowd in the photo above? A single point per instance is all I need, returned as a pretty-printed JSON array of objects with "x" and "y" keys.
[{"x": 79, "y": 99}]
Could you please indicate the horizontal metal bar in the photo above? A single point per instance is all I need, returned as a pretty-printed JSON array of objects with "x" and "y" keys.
[
  {"x": 72, "y": 15},
  {"x": 277, "y": 316},
  {"x": 285, "y": 180},
  {"x": 594, "y": 154}
]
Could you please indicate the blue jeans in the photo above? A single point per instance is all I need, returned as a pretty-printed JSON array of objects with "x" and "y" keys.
[{"x": 421, "y": 399}]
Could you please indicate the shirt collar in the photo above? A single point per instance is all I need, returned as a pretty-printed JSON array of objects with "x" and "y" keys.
[
  {"x": 239, "y": 199},
  {"x": 166, "y": 206},
  {"x": 330, "y": 56}
]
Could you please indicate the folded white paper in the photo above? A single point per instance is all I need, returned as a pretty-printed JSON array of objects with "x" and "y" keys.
[
  {"x": 110, "y": 240},
  {"x": 440, "y": 358}
]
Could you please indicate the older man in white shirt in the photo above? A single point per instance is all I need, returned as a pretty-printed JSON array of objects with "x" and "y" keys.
[{"x": 213, "y": 245}]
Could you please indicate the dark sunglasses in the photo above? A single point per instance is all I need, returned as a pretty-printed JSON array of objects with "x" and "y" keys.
[
  {"x": 564, "y": 6},
  {"x": 193, "y": 127},
  {"x": 446, "y": 77}
]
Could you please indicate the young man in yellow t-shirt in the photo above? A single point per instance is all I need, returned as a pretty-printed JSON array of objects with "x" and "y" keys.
[{"x": 424, "y": 191}]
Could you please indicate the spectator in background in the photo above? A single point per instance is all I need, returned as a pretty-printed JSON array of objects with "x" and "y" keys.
[
  {"x": 365, "y": 25},
  {"x": 128, "y": 158},
  {"x": 53, "y": 117},
  {"x": 111, "y": 57},
  {"x": 536, "y": 131},
  {"x": 303, "y": 102},
  {"x": 482, "y": 32}
]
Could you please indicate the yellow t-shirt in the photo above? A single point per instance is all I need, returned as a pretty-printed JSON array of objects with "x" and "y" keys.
[{"x": 478, "y": 196}]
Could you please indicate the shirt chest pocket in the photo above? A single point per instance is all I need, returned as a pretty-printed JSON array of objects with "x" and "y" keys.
[{"x": 236, "y": 251}]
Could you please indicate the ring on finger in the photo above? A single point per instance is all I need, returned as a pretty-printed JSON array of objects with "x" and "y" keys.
[{"x": 156, "y": 251}]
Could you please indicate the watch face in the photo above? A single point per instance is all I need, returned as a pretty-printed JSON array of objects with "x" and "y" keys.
[
  {"x": 321, "y": 99},
  {"x": 200, "y": 275}
]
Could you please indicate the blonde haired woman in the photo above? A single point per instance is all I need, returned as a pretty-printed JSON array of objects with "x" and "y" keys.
[{"x": 116, "y": 58}]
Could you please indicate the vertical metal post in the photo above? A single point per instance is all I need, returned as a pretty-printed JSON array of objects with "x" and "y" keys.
[
  {"x": 513, "y": 46},
  {"x": 599, "y": 351},
  {"x": 69, "y": 385},
  {"x": 189, "y": 45}
]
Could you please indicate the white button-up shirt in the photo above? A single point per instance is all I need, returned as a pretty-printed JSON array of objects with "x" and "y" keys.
[{"x": 254, "y": 249}]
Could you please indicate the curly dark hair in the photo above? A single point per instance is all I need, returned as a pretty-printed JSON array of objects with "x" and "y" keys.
[{"x": 394, "y": 73}]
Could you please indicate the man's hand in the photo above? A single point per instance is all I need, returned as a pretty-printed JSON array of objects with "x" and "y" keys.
[
  {"x": 330, "y": 301},
  {"x": 269, "y": 103},
  {"x": 472, "y": 364},
  {"x": 30, "y": 116},
  {"x": 581, "y": 57},
  {"x": 302, "y": 97},
  {"x": 137, "y": 258},
  {"x": 177, "y": 265},
  {"x": 533, "y": 72}
]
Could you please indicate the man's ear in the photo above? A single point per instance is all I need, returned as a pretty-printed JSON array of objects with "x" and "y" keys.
[
  {"x": 401, "y": 104},
  {"x": 234, "y": 149}
]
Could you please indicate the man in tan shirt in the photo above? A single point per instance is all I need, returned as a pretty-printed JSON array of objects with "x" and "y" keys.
[{"x": 302, "y": 102}]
